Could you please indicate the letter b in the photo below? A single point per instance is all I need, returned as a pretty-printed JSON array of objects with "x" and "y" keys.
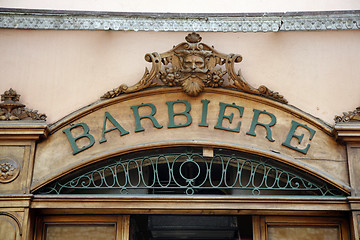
[{"x": 73, "y": 139}]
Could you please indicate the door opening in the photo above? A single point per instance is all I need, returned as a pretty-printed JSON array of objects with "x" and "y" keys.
[{"x": 191, "y": 227}]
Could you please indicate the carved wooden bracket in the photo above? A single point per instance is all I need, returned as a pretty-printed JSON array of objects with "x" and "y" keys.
[
  {"x": 351, "y": 116},
  {"x": 193, "y": 66},
  {"x": 12, "y": 109}
]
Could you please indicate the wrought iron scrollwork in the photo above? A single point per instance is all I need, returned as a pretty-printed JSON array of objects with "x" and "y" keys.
[{"x": 191, "y": 173}]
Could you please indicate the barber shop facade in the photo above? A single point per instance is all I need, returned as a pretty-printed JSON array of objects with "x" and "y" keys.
[{"x": 193, "y": 148}]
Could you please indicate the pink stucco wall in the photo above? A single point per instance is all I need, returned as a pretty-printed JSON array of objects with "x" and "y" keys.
[{"x": 58, "y": 72}]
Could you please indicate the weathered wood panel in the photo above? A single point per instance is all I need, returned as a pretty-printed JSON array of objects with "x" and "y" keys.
[{"x": 216, "y": 118}]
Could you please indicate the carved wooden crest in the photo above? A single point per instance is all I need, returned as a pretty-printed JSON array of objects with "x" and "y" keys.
[
  {"x": 193, "y": 66},
  {"x": 12, "y": 109}
]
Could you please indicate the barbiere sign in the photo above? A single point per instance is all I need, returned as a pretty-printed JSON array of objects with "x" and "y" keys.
[
  {"x": 228, "y": 117},
  {"x": 190, "y": 97}
]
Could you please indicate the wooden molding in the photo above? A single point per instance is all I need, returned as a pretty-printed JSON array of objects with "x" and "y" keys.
[
  {"x": 354, "y": 203},
  {"x": 15, "y": 200},
  {"x": 172, "y": 204},
  {"x": 347, "y": 131},
  {"x": 23, "y": 130}
]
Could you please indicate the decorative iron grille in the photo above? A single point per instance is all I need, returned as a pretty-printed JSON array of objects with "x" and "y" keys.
[{"x": 191, "y": 173}]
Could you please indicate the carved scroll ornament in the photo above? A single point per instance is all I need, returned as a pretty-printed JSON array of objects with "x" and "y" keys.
[
  {"x": 12, "y": 109},
  {"x": 350, "y": 116},
  {"x": 193, "y": 66}
]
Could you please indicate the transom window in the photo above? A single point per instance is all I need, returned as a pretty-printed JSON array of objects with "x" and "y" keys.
[{"x": 187, "y": 171}]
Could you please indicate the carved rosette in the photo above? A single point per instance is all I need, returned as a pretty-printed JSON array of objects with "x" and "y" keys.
[
  {"x": 351, "y": 116},
  {"x": 12, "y": 109},
  {"x": 194, "y": 66},
  {"x": 9, "y": 170}
]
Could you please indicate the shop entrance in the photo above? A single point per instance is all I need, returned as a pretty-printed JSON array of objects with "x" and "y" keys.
[
  {"x": 196, "y": 227},
  {"x": 186, "y": 193},
  {"x": 191, "y": 227}
]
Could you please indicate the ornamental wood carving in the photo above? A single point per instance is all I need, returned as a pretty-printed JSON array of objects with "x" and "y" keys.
[
  {"x": 194, "y": 66},
  {"x": 12, "y": 109},
  {"x": 9, "y": 170},
  {"x": 350, "y": 116}
]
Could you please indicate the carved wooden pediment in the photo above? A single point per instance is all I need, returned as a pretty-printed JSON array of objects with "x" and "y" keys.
[
  {"x": 194, "y": 66},
  {"x": 12, "y": 109}
]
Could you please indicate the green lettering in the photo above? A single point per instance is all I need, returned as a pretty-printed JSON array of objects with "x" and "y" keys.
[
  {"x": 115, "y": 123},
  {"x": 205, "y": 104},
  {"x": 172, "y": 115},
  {"x": 73, "y": 139},
  {"x": 255, "y": 122},
  {"x": 138, "y": 118},
  {"x": 292, "y": 134},
  {"x": 230, "y": 117}
]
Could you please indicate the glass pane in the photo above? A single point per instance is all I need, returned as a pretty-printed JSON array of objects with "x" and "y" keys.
[
  {"x": 302, "y": 233},
  {"x": 80, "y": 232}
]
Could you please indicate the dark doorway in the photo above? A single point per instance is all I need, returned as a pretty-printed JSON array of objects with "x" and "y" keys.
[{"x": 191, "y": 227}]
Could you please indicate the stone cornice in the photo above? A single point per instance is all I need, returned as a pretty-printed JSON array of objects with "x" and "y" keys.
[{"x": 254, "y": 22}]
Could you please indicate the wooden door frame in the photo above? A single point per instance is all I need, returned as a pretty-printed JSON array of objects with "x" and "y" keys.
[{"x": 259, "y": 223}]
